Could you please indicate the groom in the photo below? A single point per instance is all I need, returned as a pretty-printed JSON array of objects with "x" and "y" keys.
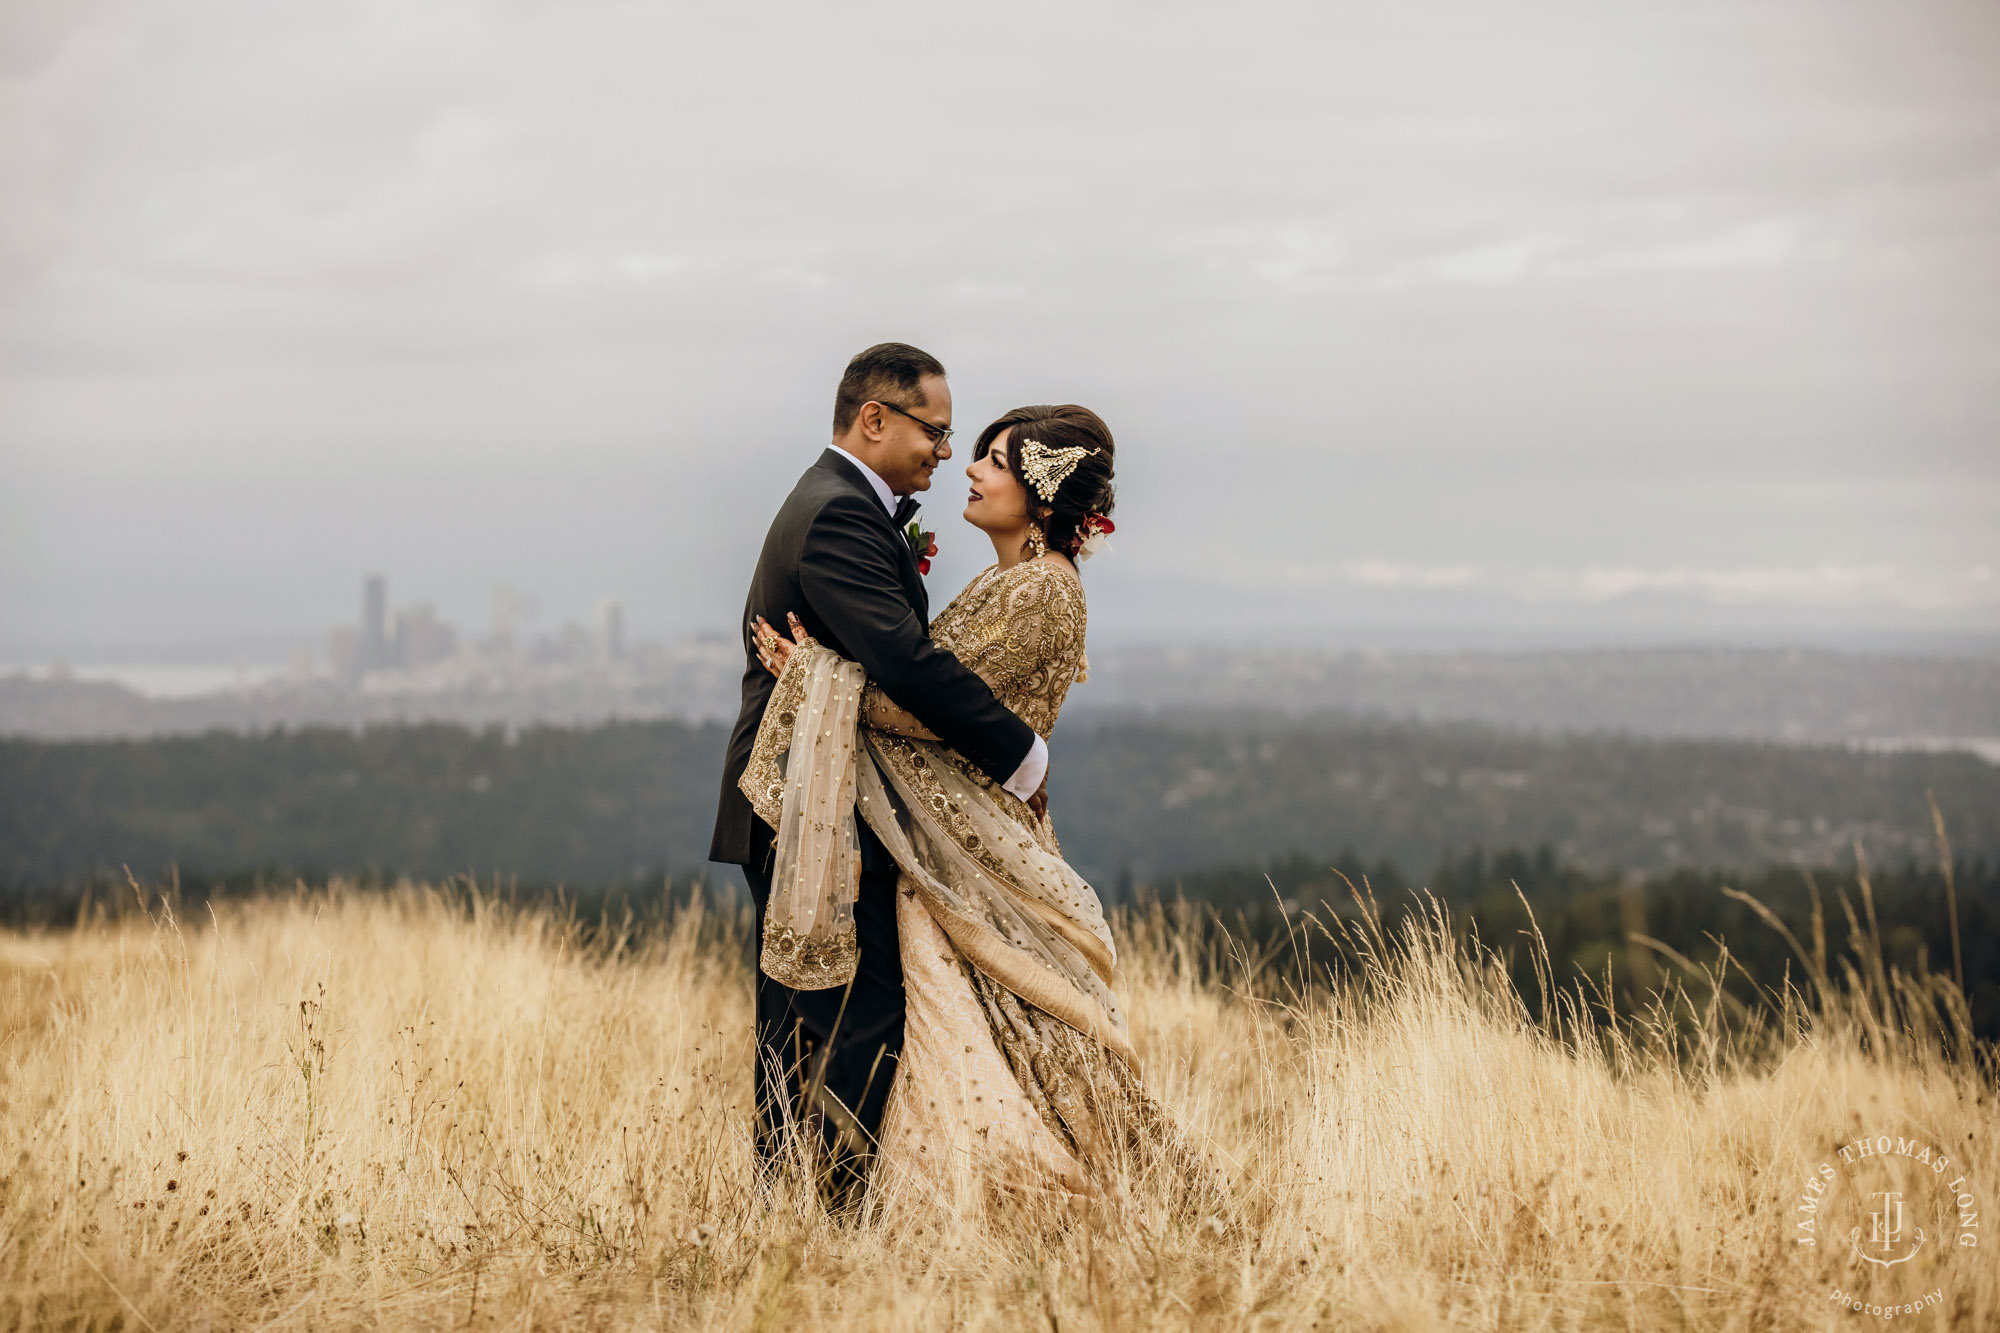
[{"x": 836, "y": 554}]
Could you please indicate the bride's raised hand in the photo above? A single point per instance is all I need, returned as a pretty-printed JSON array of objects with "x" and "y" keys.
[{"x": 773, "y": 648}]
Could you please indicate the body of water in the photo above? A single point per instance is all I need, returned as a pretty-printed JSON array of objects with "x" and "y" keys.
[{"x": 161, "y": 682}]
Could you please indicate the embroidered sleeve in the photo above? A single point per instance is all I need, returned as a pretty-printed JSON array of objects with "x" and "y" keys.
[
  {"x": 1027, "y": 641},
  {"x": 882, "y": 713}
]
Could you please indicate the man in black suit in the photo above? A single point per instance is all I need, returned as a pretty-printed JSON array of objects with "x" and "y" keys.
[{"x": 836, "y": 554}]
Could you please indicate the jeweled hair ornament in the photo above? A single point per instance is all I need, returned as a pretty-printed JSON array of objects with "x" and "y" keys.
[{"x": 1047, "y": 469}]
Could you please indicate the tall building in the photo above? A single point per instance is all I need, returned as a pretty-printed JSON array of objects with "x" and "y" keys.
[
  {"x": 610, "y": 630},
  {"x": 512, "y": 610},
  {"x": 374, "y": 647},
  {"x": 343, "y": 653},
  {"x": 421, "y": 638}
]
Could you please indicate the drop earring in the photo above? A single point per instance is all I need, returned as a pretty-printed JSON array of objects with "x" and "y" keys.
[{"x": 1037, "y": 544}]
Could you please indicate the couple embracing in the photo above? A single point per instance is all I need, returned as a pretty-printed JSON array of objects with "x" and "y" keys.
[{"x": 934, "y": 1003}]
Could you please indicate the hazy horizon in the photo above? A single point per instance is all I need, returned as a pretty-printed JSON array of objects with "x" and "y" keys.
[{"x": 1678, "y": 322}]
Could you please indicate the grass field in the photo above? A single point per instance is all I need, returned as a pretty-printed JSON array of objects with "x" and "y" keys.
[{"x": 424, "y": 1109}]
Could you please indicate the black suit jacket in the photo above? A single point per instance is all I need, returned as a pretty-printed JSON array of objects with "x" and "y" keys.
[{"x": 837, "y": 559}]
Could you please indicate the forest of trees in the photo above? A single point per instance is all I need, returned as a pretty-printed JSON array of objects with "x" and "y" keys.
[
  {"x": 628, "y": 802},
  {"x": 1588, "y": 918},
  {"x": 1249, "y": 816}
]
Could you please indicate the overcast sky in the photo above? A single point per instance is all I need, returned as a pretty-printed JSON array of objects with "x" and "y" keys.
[{"x": 1666, "y": 317}]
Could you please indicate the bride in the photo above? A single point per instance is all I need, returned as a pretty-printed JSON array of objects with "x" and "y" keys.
[{"x": 1017, "y": 1065}]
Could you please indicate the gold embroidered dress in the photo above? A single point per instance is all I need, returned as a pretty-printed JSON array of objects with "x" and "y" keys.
[{"x": 1017, "y": 1064}]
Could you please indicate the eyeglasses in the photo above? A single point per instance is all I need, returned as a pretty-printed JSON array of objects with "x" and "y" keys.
[{"x": 940, "y": 435}]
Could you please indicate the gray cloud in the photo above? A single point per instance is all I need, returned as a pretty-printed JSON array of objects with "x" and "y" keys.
[{"x": 1541, "y": 301}]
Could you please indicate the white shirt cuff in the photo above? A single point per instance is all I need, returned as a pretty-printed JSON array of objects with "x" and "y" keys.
[{"x": 1027, "y": 779}]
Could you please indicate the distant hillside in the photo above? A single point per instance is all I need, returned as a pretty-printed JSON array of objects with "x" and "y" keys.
[
  {"x": 1798, "y": 695},
  {"x": 1780, "y": 695},
  {"x": 622, "y": 801},
  {"x": 1158, "y": 796}
]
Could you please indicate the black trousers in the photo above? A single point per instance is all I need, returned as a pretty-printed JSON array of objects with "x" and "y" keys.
[{"x": 843, "y": 1042}]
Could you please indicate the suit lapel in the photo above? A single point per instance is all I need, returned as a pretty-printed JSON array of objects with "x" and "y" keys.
[
  {"x": 920, "y": 596},
  {"x": 913, "y": 582},
  {"x": 913, "y": 579}
]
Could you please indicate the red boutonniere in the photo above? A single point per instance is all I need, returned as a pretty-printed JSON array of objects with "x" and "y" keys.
[{"x": 923, "y": 545}]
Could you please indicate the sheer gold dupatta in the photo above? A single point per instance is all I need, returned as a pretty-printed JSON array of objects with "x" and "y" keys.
[
  {"x": 1014, "y": 909},
  {"x": 809, "y": 922}
]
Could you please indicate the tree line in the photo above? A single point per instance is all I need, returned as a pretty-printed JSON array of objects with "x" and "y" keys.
[
  {"x": 627, "y": 802},
  {"x": 1590, "y": 840}
]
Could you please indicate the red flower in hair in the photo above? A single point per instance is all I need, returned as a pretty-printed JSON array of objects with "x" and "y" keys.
[{"x": 1090, "y": 535}]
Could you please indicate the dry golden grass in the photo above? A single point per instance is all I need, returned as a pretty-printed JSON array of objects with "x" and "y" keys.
[{"x": 420, "y": 1109}]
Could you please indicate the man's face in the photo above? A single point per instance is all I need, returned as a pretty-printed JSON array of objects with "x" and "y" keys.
[{"x": 908, "y": 452}]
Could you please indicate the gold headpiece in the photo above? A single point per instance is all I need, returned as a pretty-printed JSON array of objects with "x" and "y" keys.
[{"x": 1047, "y": 469}]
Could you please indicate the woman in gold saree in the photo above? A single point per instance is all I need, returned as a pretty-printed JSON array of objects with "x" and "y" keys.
[{"x": 1017, "y": 1064}]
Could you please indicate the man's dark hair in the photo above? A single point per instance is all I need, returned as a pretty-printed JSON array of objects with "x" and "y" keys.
[{"x": 885, "y": 373}]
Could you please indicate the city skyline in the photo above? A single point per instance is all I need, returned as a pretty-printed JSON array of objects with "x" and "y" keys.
[{"x": 411, "y": 637}]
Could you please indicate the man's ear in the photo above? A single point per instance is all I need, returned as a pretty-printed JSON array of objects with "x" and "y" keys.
[{"x": 872, "y": 422}]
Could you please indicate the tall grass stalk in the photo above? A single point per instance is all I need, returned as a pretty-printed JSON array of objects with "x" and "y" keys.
[{"x": 425, "y": 1108}]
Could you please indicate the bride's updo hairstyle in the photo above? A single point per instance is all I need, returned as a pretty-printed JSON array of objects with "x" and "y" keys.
[{"x": 1086, "y": 491}]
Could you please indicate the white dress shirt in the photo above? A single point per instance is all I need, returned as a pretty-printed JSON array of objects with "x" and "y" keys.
[
  {"x": 1027, "y": 779},
  {"x": 875, "y": 483}
]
